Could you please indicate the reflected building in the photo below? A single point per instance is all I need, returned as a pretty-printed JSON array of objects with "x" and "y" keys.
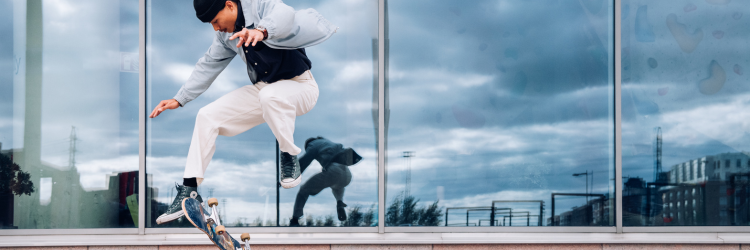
[
  {"x": 594, "y": 213},
  {"x": 60, "y": 201},
  {"x": 708, "y": 191}
]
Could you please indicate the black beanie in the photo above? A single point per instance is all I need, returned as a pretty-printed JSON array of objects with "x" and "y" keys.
[{"x": 206, "y": 10}]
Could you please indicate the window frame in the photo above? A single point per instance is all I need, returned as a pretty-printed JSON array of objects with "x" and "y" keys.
[{"x": 381, "y": 229}]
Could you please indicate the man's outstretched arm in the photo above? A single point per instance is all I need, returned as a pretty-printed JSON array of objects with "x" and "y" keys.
[
  {"x": 164, "y": 105},
  {"x": 205, "y": 72}
]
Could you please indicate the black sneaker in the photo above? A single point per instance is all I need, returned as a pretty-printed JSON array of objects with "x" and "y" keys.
[
  {"x": 340, "y": 210},
  {"x": 291, "y": 175},
  {"x": 175, "y": 210},
  {"x": 294, "y": 222}
]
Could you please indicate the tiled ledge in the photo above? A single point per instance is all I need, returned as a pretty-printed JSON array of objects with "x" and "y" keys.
[{"x": 424, "y": 247}]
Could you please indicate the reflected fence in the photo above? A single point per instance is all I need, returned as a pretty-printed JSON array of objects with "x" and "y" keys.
[
  {"x": 587, "y": 215},
  {"x": 496, "y": 213}
]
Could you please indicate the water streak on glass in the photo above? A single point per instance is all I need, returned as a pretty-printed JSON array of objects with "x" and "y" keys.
[{"x": 685, "y": 152}]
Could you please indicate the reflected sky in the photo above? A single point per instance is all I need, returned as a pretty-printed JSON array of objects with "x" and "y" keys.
[
  {"x": 500, "y": 100},
  {"x": 95, "y": 96},
  {"x": 243, "y": 168},
  {"x": 497, "y": 99},
  {"x": 688, "y": 82},
  {"x": 697, "y": 93}
]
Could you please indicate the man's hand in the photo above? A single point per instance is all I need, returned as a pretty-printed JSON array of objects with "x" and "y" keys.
[
  {"x": 164, "y": 105},
  {"x": 247, "y": 36}
]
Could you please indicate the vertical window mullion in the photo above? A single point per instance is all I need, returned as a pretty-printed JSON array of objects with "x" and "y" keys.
[{"x": 618, "y": 114}]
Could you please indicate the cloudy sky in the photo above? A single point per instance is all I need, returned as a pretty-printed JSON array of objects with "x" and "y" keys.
[
  {"x": 498, "y": 100},
  {"x": 662, "y": 81}
]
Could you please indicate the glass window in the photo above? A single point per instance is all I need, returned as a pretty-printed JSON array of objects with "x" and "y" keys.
[
  {"x": 242, "y": 174},
  {"x": 498, "y": 117},
  {"x": 682, "y": 75},
  {"x": 68, "y": 114}
]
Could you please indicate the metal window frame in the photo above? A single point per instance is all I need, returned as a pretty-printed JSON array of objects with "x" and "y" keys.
[
  {"x": 618, "y": 114},
  {"x": 381, "y": 116},
  {"x": 387, "y": 234},
  {"x": 142, "y": 117}
]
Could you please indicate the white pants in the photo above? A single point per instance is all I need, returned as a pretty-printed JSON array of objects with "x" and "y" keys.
[{"x": 277, "y": 104}]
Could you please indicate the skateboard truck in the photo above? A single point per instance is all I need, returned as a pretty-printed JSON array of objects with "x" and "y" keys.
[
  {"x": 246, "y": 239},
  {"x": 214, "y": 217},
  {"x": 220, "y": 229}
]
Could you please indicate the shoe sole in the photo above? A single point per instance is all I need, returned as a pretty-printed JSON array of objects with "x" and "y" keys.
[
  {"x": 291, "y": 184},
  {"x": 165, "y": 218}
]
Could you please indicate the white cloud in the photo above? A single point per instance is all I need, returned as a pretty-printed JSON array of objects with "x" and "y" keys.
[
  {"x": 61, "y": 7},
  {"x": 179, "y": 72},
  {"x": 561, "y": 141},
  {"x": 353, "y": 72},
  {"x": 726, "y": 122},
  {"x": 95, "y": 173},
  {"x": 439, "y": 80}
]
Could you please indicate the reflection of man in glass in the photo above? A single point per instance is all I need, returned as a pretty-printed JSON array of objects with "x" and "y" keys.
[
  {"x": 271, "y": 40},
  {"x": 335, "y": 160}
]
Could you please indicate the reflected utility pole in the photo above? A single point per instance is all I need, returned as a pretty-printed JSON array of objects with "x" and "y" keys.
[
  {"x": 587, "y": 182},
  {"x": 72, "y": 148},
  {"x": 407, "y": 176}
]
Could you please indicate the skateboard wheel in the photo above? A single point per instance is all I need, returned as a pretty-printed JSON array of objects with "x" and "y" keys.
[
  {"x": 213, "y": 202},
  {"x": 245, "y": 236},
  {"x": 220, "y": 229}
]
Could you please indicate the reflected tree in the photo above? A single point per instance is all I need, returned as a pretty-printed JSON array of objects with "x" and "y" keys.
[
  {"x": 354, "y": 218},
  {"x": 309, "y": 221},
  {"x": 404, "y": 211},
  {"x": 431, "y": 215},
  {"x": 328, "y": 221},
  {"x": 369, "y": 217},
  {"x": 12, "y": 179}
]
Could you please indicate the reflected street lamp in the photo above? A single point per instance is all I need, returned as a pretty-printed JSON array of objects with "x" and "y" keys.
[{"x": 587, "y": 182}]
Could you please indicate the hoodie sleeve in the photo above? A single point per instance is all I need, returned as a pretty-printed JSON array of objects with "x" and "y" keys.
[
  {"x": 307, "y": 158},
  {"x": 206, "y": 70},
  {"x": 277, "y": 18},
  {"x": 290, "y": 29}
]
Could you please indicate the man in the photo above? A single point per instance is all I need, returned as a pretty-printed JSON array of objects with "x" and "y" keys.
[
  {"x": 271, "y": 38},
  {"x": 335, "y": 160}
]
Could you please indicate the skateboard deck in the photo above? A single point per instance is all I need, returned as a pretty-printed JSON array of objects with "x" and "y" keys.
[{"x": 197, "y": 216}]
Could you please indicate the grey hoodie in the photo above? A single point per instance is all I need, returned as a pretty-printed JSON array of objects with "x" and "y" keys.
[
  {"x": 287, "y": 29},
  {"x": 327, "y": 152}
]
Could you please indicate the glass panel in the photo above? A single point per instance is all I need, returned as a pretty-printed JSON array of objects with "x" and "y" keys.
[
  {"x": 345, "y": 68},
  {"x": 68, "y": 114},
  {"x": 243, "y": 171},
  {"x": 501, "y": 114},
  {"x": 683, "y": 95}
]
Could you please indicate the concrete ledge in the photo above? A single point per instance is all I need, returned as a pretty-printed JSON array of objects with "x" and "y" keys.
[
  {"x": 425, "y": 247},
  {"x": 383, "y": 239}
]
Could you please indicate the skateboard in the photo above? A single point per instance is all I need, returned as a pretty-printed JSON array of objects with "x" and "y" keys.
[{"x": 211, "y": 224}]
